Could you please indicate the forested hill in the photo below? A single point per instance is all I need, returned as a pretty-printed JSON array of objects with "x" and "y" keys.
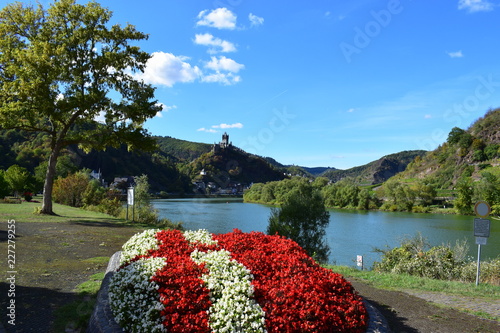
[
  {"x": 232, "y": 165},
  {"x": 182, "y": 150},
  {"x": 172, "y": 167},
  {"x": 466, "y": 154},
  {"x": 378, "y": 171}
]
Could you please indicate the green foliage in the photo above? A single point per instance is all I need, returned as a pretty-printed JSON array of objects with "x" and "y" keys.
[
  {"x": 455, "y": 135},
  {"x": 55, "y": 78},
  {"x": 487, "y": 188},
  {"x": 71, "y": 189},
  {"x": 275, "y": 192},
  {"x": 143, "y": 210},
  {"x": 416, "y": 257},
  {"x": 465, "y": 154},
  {"x": 463, "y": 202},
  {"x": 181, "y": 149},
  {"x": 303, "y": 218},
  {"x": 18, "y": 179},
  {"x": 4, "y": 186},
  {"x": 376, "y": 172},
  {"x": 232, "y": 165},
  {"x": 492, "y": 151},
  {"x": 400, "y": 195},
  {"x": 424, "y": 192}
]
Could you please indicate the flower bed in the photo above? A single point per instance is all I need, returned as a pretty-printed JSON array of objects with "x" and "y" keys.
[{"x": 194, "y": 281}]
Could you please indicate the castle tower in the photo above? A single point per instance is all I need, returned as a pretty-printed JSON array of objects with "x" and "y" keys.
[{"x": 225, "y": 140}]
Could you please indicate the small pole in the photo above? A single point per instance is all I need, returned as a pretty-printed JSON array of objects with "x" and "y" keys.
[{"x": 478, "y": 263}]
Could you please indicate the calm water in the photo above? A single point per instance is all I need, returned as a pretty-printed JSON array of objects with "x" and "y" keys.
[{"x": 350, "y": 233}]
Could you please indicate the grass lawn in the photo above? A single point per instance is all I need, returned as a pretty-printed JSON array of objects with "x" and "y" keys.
[
  {"x": 404, "y": 282},
  {"x": 25, "y": 212}
]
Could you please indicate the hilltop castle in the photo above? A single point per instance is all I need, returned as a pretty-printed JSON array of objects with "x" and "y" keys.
[{"x": 224, "y": 144}]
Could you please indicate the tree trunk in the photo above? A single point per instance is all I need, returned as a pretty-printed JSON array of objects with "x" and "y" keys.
[{"x": 49, "y": 181}]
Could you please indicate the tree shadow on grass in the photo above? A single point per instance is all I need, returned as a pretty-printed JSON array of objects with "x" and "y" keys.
[
  {"x": 35, "y": 308},
  {"x": 104, "y": 223},
  {"x": 4, "y": 236}
]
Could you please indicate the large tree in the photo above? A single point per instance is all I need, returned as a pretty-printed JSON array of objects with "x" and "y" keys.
[{"x": 64, "y": 67}]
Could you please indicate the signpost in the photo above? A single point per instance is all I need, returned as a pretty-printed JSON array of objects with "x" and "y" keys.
[
  {"x": 481, "y": 230},
  {"x": 359, "y": 261},
  {"x": 130, "y": 201}
]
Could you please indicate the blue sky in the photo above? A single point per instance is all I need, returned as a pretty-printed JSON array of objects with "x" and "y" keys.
[{"x": 318, "y": 83}]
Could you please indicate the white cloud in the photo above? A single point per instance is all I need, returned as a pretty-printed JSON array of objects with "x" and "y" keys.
[
  {"x": 224, "y": 64},
  {"x": 255, "y": 20},
  {"x": 427, "y": 116},
  {"x": 208, "y": 130},
  {"x": 226, "y": 79},
  {"x": 214, "y": 128},
  {"x": 217, "y": 44},
  {"x": 225, "y": 126},
  {"x": 167, "y": 69},
  {"x": 164, "y": 108},
  {"x": 475, "y": 5},
  {"x": 457, "y": 54},
  {"x": 220, "y": 18},
  {"x": 351, "y": 110}
]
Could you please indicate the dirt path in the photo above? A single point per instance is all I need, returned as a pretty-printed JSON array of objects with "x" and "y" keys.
[
  {"x": 51, "y": 262},
  {"x": 407, "y": 313}
]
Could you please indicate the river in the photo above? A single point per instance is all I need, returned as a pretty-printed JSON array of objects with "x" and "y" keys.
[{"x": 350, "y": 232}]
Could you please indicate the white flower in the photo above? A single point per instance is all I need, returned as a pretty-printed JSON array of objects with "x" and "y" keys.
[
  {"x": 229, "y": 282},
  {"x": 139, "y": 244},
  {"x": 201, "y": 236},
  {"x": 133, "y": 296}
]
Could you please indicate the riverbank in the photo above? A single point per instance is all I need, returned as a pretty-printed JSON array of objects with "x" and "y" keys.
[{"x": 419, "y": 210}]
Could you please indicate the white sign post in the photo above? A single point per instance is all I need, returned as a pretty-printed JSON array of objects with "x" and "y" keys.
[
  {"x": 130, "y": 201},
  {"x": 359, "y": 261},
  {"x": 481, "y": 231}
]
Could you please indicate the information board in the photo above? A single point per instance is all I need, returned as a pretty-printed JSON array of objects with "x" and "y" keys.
[{"x": 481, "y": 227}]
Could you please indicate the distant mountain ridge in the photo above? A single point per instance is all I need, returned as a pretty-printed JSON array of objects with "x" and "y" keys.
[
  {"x": 178, "y": 162},
  {"x": 378, "y": 171}
]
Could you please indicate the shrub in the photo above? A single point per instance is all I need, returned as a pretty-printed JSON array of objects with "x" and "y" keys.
[
  {"x": 415, "y": 258},
  {"x": 69, "y": 190},
  {"x": 445, "y": 262},
  {"x": 420, "y": 209},
  {"x": 28, "y": 196}
]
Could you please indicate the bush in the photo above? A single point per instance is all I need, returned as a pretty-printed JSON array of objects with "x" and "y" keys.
[
  {"x": 444, "y": 262},
  {"x": 69, "y": 190},
  {"x": 420, "y": 209},
  {"x": 28, "y": 196},
  {"x": 490, "y": 272},
  {"x": 415, "y": 258},
  {"x": 110, "y": 206}
]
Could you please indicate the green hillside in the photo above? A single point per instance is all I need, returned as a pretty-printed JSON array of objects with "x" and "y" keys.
[
  {"x": 378, "y": 171},
  {"x": 466, "y": 154},
  {"x": 182, "y": 150},
  {"x": 231, "y": 165}
]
